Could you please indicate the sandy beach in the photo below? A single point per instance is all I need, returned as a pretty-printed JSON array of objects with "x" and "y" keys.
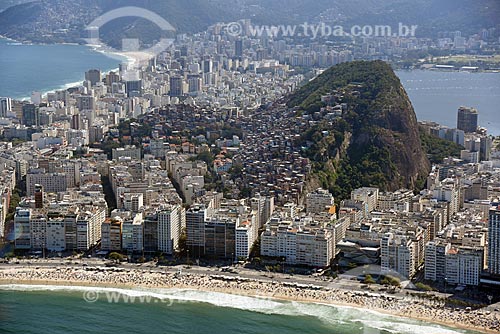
[{"x": 410, "y": 307}]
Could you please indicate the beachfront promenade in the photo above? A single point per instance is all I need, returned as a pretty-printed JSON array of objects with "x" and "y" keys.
[{"x": 250, "y": 283}]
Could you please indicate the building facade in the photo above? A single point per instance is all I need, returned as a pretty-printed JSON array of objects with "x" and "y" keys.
[{"x": 494, "y": 242}]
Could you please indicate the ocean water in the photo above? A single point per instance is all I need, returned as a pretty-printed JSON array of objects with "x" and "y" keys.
[
  {"x": 437, "y": 95},
  {"x": 25, "y": 68},
  {"x": 52, "y": 309}
]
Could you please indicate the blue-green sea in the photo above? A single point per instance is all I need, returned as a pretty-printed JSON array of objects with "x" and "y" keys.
[
  {"x": 52, "y": 309},
  {"x": 26, "y": 68}
]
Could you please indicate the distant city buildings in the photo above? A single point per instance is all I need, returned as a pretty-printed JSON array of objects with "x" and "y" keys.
[
  {"x": 477, "y": 144},
  {"x": 93, "y": 76},
  {"x": 30, "y": 115},
  {"x": 51, "y": 182},
  {"x": 176, "y": 86}
]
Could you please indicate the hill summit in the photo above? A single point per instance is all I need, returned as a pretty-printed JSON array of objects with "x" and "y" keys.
[{"x": 363, "y": 132}]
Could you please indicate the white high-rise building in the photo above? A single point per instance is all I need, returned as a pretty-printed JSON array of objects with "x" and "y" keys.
[
  {"x": 133, "y": 202},
  {"x": 298, "y": 244},
  {"x": 51, "y": 182},
  {"x": 72, "y": 170},
  {"x": 56, "y": 238},
  {"x": 88, "y": 228},
  {"x": 133, "y": 234},
  {"x": 315, "y": 248},
  {"x": 448, "y": 191},
  {"x": 5, "y": 106},
  {"x": 264, "y": 206},
  {"x": 246, "y": 234},
  {"x": 38, "y": 229},
  {"x": 319, "y": 201},
  {"x": 169, "y": 228},
  {"x": 435, "y": 259},
  {"x": 398, "y": 254},
  {"x": 36, "y": 97},
  {"x": 127, "y": 151},
  {"x": 367, "y": 195},
  {"x": 444, "y": 263},
  {"x": 464, "y": 265}
]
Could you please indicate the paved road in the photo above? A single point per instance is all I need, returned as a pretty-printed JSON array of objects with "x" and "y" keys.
[{"x": 237, "y": 271}]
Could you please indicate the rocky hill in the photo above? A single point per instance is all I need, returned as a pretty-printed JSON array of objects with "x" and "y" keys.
[{"x": 363, "y": 132}]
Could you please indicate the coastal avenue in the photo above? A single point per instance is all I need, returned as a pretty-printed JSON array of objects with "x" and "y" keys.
[
  {"x": 343, "y": 282},
  {"x": 183, "y": 269}
]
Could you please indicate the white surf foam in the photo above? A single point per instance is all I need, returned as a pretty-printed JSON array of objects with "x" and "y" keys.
[
  {"x": 398, "y": 327},
  {"x": 328, "y": 314}
]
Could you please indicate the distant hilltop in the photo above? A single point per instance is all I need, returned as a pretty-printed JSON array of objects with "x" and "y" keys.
[
  {"x": 54, "y": 21},
  {"x": 363, "y": 132}
]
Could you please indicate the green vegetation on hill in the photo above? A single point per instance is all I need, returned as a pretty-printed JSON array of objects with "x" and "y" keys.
[
  {"x": 375, "y": 142},
  {"x": 374, "y": 79},
  {"x": 38, "y": 20},
  {"x": 437, "y": 149}
]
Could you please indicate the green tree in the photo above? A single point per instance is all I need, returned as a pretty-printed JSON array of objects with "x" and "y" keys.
[
  {"x": 205, "y": 156},
  {"x": 369, "y": 280},
  {"x": 391, "y": 280},
  {"x": 437, "y": 149},
  {"x": 117, "y": 257},
  {"x": 182, "y": 245}
]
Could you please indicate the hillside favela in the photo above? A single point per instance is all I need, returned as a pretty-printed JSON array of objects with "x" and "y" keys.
[{"x": 250, "y": 166}]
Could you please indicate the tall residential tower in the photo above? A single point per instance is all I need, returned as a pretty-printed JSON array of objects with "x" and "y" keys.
[
  {"x": 467, "y": 119},
  {"x": 494, "y": 241}
]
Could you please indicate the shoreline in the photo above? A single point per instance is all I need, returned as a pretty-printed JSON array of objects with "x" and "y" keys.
[
  {"x": 62, "y": 87},
  {"x": 456, "y": 70},
  {"x": 121, "y": 58},
  {"x": 142, "y": 279}
]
